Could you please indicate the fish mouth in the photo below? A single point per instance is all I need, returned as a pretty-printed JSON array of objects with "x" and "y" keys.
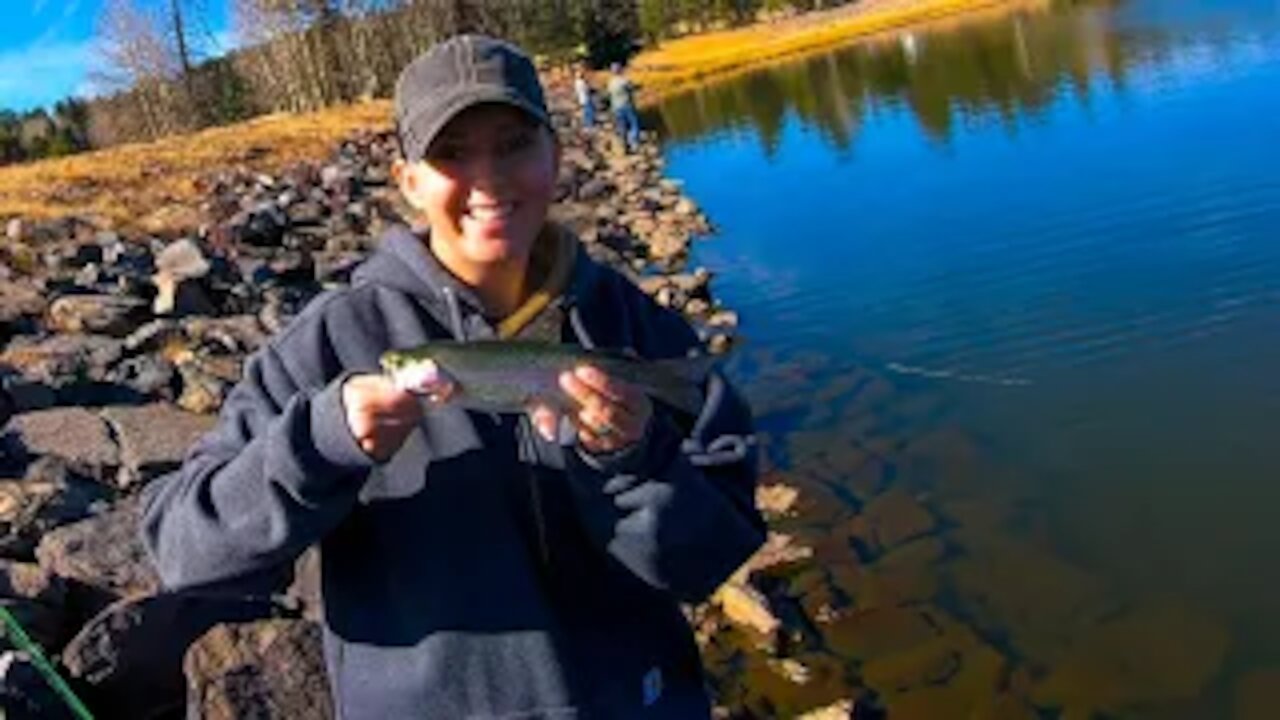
[{"x": 420, "y": 377}]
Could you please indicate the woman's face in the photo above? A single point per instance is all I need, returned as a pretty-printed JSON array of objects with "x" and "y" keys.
[{"x": 485, "y": 185}]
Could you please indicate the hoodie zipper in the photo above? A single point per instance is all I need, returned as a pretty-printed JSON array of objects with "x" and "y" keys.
[{"x": 525, "y": 432}]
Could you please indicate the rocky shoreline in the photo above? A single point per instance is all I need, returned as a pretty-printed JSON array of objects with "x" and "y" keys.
[{"x": 117, "y": 352}]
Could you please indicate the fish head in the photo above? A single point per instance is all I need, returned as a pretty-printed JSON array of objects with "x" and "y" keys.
[{"x": 415, "y": 373}]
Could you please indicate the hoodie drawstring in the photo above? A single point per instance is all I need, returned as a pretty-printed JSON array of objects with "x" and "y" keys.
[
  {"x": 575, "y": 322},
  {"x": 455, "y": 313}
]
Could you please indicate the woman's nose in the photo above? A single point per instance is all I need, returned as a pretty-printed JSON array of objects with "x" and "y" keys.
[{"x": 487, "y": 170}]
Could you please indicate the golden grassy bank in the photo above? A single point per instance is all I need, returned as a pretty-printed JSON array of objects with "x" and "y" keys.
[
  {"x": 674, "y": 65},
  {"x": 125, "y": 186}
]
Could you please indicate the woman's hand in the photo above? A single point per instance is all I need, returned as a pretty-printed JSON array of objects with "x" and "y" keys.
[
  {"x": 380, "y": 414},
  {"x": 612, "y": 415}
]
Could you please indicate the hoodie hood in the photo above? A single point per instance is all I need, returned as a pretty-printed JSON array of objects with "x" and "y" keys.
[{"x": 404, "y": 263}]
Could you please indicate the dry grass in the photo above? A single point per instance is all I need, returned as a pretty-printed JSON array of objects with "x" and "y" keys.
[
  {"x": 677, "y": 64},
  {"x": 138, "y": 186}
]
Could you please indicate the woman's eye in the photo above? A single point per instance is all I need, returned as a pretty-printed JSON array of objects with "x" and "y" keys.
[
  {"x": 516, "y": 143},
  {"x": 446, "y": 152}
]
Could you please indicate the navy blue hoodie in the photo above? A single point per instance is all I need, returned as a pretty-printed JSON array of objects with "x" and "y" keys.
[{"x": 481, "y": 572}]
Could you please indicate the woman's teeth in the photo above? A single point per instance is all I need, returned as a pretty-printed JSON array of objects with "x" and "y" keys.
[{"x": 491, "y": 212}]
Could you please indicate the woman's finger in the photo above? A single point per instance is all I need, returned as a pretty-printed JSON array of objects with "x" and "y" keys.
[
  {"x": 546, "y": 421},
  {"x": 593, "y": 378},
  {"x": 612, "y": 421}
]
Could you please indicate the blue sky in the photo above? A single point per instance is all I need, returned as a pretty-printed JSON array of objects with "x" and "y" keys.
[{"x": 46, "y": 46}]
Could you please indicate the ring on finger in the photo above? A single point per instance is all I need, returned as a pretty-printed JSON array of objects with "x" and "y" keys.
[{"x": 603, "y": 429}]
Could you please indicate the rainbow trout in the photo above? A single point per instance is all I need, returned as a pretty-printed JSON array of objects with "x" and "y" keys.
[{"x": 511, "y": 375}]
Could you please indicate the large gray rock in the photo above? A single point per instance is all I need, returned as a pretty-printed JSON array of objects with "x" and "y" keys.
[
  {"x": 76, "y": 435},
  {"x": 271, "y": 669},
  {"x": 180, "y": 267},
  {"x": 130, "y": 655},
  {"x": 182, "y": 260},
  {"x": 47, "y": 497},
  {"x": 104, "y": 555},
  {"x": 891, "y": 519},
  {"x": 153, "y": 439},
  {"x": 20, "y": 306},
  {"x": 104, "y": 314}
]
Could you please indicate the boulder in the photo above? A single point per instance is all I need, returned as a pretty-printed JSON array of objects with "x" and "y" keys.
[
  {"x": 20, "y": 306},
  {"x": 130, "y": 655},
  {"x": 79, "y": 437},
  {"x": 776, "y": 500},
  {"x": 746, "y": 606},
  {"x": 891, "y": 519},
  {"x": 153, "y": 439},
  {"x": 47, "y": 497},
  {"x": 1012, "y": 588},
  {"x": 269, "y": 669},
  {"x": 104, "y": 555},
  {"x": 666, "y": 244}
]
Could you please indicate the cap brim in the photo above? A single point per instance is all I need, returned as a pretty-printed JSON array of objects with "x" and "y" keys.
[{"x": 424, "y": 125}]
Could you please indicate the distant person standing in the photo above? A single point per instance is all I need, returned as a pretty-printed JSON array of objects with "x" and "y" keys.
[
  {"x": 622, "y": 100},
  {"x": 586, "y": 100}
]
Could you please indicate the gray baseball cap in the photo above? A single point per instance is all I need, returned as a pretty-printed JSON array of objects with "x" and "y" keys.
[{"x": 456, "y": 74}]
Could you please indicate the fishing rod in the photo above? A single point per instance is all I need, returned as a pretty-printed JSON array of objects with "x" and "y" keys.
[{"x": 24, "y": 642}]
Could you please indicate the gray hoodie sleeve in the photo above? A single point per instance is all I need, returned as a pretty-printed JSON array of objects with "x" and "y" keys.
[
  {"x": 279, "y": 471},
  {"x": 679, "y": 509}
]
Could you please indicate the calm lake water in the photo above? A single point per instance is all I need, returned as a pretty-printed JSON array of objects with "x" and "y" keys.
[{"x": 1056, "y": 234}]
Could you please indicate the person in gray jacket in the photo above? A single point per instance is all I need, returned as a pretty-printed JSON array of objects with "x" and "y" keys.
[{"x": 475, "y": 565}]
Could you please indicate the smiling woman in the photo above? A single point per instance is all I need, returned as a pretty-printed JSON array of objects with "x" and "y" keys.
[
  {"x": 484, "y": 187},
  {"x": 495, "y": 561}
]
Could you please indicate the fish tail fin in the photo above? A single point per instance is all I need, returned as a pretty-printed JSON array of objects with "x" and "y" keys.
[{"x": 680, "y": 381}]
